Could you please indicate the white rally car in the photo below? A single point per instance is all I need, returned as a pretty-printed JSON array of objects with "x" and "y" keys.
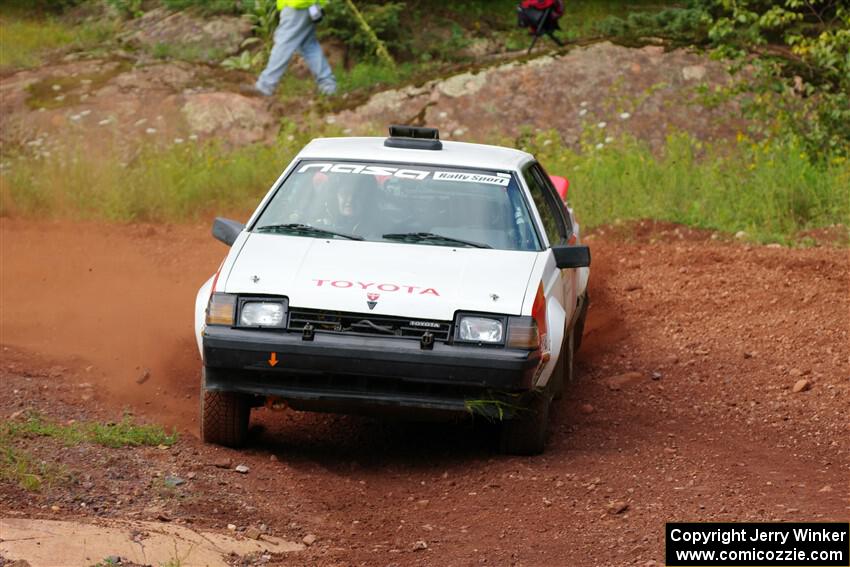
[{"x": 400, "y": 274}]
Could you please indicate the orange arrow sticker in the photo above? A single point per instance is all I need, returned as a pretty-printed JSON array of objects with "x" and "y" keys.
[{"x": 273, "y": 359}]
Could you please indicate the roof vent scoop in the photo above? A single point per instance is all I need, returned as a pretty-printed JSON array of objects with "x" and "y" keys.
[{"x": 414, "y": 138}]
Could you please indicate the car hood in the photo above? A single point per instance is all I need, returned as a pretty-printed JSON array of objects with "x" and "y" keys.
[{"x": 407, "y": 280}]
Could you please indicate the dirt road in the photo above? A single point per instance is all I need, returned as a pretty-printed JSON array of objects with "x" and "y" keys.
[{"x": 708, "y": 426}]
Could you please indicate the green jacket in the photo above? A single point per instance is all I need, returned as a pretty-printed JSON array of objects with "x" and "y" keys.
[{"x": 297, "y": 4}]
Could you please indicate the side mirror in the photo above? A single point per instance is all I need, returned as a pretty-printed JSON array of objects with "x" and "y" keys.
[
  {"x": 567, "y": 256},
  {"x": 226, "y": 230},
  {"x": 562, "y": 185}
]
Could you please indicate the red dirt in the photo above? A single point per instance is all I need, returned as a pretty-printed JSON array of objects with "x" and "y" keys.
[
  {"x": 114, "y": 302},
  {"x": 719, "y": 435}
]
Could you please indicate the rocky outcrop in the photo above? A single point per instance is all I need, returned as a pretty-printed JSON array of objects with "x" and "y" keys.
[{"x": 605, "y": 89}]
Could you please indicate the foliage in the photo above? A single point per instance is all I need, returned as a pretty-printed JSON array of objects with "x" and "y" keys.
[
  {"x": 245, "y": 61},
  {"x": 683, "y": 25},
  {"x": 178, "y": 183},
  {"x": 383, "y": 19},
  {"x": 771, "y": 188},
  {"x": 25, "y": 41},
  {"x": 263, "y": 16},
  {"x": 30, "y": 474},
  {"x": 40, "y": 6},
  {"x": 209, "y": 6},
  {"x": 796, "y": 53},
  {"x": 804, "y": 49},
  {"x": 122, "y": 434},
  {"x": 127, "y": 8}
]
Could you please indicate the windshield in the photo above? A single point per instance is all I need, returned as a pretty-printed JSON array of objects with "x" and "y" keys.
[{"x": 391, "y": 202}]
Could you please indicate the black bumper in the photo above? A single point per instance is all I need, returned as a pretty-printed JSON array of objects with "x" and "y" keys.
[{"x": 343, "y": 373}]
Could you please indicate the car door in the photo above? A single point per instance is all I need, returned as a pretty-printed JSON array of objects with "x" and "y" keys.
[{"x": 559, "y": 286}]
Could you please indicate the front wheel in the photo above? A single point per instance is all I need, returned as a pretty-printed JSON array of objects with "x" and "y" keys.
[
  {"x": 224, "y": 416},
  {"x": 527, "y": 432}
]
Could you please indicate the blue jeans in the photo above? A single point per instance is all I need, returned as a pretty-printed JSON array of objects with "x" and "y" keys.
[{"x": 296, "y": 32}]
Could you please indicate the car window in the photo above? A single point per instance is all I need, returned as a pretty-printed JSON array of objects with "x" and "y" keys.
[
  {"x": 428, "y": 205},
  {"x": 553, "y": 221},
  {"x": 558, "y": 203}
]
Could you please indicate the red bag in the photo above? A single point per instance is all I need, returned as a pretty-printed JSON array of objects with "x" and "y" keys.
[{"x": 540, "y": 16}]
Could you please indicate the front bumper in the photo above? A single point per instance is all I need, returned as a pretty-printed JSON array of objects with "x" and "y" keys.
[{"x": 350, "y": 373}]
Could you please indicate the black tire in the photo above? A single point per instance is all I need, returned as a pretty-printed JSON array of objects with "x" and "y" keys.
[
  {"x": 224, "y": 416},
  {"x": 579, "y": 328},
  {"x": 564, "y": 372},
  {"x": 527, "y": 432}
]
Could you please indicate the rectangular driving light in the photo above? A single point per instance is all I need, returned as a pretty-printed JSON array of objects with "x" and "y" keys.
[
  {"x": 480, "y": 329},
  {"x": 262, "y": 314}
]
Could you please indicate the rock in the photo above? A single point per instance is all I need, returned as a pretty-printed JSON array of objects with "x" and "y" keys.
[
  {"x": 621, "y": 380},
  {"x": 657, "y": 376},
  {"x": 801, "y": 386},
  {"x": 740, "y": 235},
  {"x": 826, "y": 488},
  {"x": 17, "y": 414},
  {"x": 796, "y": 372},
  {"x": 586, "y": 409},
  {"x": 617, "y": 507},
  {"x": 238, "y": 119},
  {"x": 242, "y": 469},
  {"x": 253, "y": 533},
  {"x": 309, "y": 539},
  {"x": 633, "y": 287},
  {"x": 464, "y": 84},
  {"x": 693, "y": 72},
  {"x": 222, "y": 463},
  {"x": 144, "y": 376},
  {"x": 231, "y": 527},
  {"x": 113, "y": 560},
  {"x": 172, "y": 481},
  {"x": 419, "y": 546}
]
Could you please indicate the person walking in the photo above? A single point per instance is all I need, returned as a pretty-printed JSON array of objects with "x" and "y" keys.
[{"x": 297, "y": 32}]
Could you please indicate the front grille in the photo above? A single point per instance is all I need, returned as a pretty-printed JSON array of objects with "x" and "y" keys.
[{"x": 361, "y": 323}]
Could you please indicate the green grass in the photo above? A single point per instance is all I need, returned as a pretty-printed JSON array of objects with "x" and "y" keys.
[
  {"x": 180, "y": 183},
  {"x": 125, "y": 433},
  {"x": 771, "y": 189},
  {"x": 24, "y": 42},
  {"x": 19, "y": 467},
  {"x": 580, "y": 19},
  {"x": 188, "y": 52}
]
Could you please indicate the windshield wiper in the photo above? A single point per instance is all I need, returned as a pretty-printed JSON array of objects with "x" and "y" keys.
[
  {"x": 305, "y": 229},
  {"x": 431, "y": 237}
]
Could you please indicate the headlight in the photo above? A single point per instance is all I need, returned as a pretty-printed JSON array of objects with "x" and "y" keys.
[
  {"x": 220, "y": 309},
  {"x": 261, "y": 314},
  {"x": 480, "y": 329}
]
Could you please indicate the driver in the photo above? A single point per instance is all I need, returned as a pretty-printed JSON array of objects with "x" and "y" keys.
[{"x": 353, "y": 204}]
